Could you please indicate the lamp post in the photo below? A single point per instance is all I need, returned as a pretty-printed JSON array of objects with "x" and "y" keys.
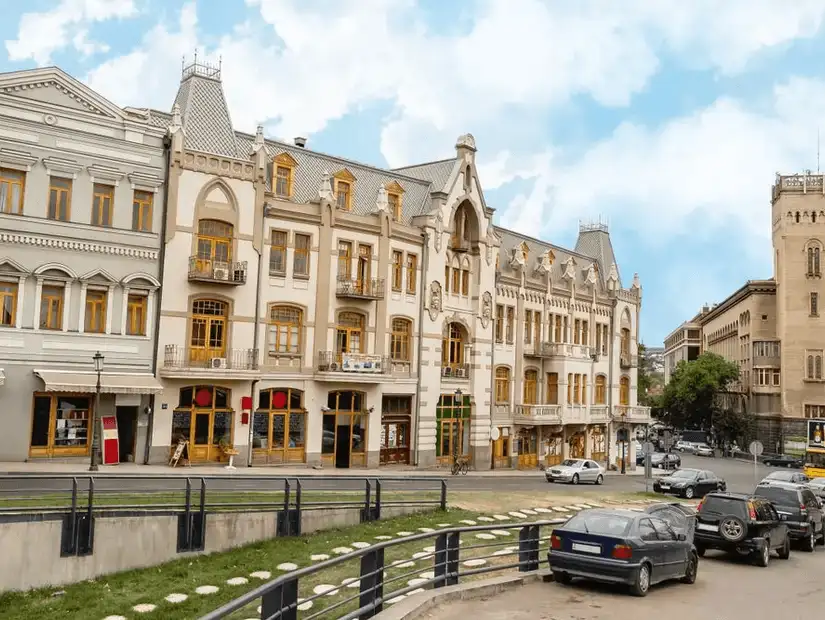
[
  {"x": 98, "y": 360},
  {"x": 458, "y": 401}
]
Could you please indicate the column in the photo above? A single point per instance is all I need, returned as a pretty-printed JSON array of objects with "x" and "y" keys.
[
  {"x": 38, "y": 295},
  {"x": 588, "y": 443},
  {"x": 124, "y": 308},
  {"x": 21, "y": 295},
  {"x": 565, "y": 446},
  {"x": 67, "y": 306},
  {"x": 81, "y": 315},
  {"x": 109, "y": 303},
  {"x": 150, "y": 314}
]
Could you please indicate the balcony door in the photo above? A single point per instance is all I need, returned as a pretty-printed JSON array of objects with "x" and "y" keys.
[
  {"x": 209, "y": 327},
  {"x": 363, "y": 268},
  {"x": 349, "y": 334},
  {"x": 214, "y": 245}
]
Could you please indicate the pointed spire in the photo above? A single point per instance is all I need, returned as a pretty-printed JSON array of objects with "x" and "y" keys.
[
  {"x": 258, "y": 144},
  {"x": 382, "y": 203},
  {"x": 636, "y": 282},
  {"x": 176, "y": 119},
  {"x": 325, "y": 191}
]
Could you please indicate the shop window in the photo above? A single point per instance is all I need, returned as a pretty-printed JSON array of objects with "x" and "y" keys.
[
  {"x": 61, "y": 425},
  {"x": 279, "y": 426}
]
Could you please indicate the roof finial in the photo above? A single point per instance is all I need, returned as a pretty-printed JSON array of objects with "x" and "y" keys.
[{"x": 325, "y": 191}]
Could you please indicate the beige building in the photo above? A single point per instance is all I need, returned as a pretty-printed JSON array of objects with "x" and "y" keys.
[
  {"x": 772, "y": 328},
  {"x": 683, "y": 344},
  {"x": 318, "y": 310}
]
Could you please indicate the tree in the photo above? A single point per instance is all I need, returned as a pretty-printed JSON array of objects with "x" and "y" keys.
[
  {"x": 692, "y": 399},
  {"x": 648, "y": 378}
]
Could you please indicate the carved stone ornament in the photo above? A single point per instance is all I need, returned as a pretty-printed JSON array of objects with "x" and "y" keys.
[
  {"x": 590, "y": 278},
  {"x": 466, "y": 140},
  {"x": 258, "y": 143},
  {"x": 435, "y": 300},
  {"x": 612, "y": 277},
  {"x": 517, "y": 259},
  {"x": 382, "y": 203},
  {"x": 488, "y": 256},
  {"x": 439, "y": 231},
  {"x": 176, "y": 119},
  {"x": 325, "y": 191},
  {"x": 637, "y": 284},
  {"x": 486, "y": 309},
  {"x": 569, "y": 269},
  {"x": 544, "y": 262}
]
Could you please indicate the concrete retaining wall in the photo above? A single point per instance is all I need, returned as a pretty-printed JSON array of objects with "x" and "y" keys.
[{"x": 31, "y": 549}]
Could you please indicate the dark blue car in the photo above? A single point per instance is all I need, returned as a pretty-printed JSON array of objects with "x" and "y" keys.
[{"x": 622, "y": 546}]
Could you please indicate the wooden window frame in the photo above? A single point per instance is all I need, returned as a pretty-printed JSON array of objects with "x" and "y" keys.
[
  {"x": 412, "y": 273},
  {"x": 136, "y": 308},
  {"x": 96, "y": 305},
  {"x": 465, "y": 282},
  {"x": 13, "y": 294},
  {"x": 361, "y": 330},
  {"x": 8, "y": 176},
  {"x": 100, "y": 192},
  {"x": 528, "y": 327},
  {"x": 56, "y": 192},
  {"x": 284, "y": 161},
  {"x": 292, "y": 349},
  {"x": 502, "y": 385},
  {"x": 50, "y": 298},
  {"x": 499, "y": 328},
  {"x": 813, "y": 303},
  {"x": 552, "y": 388},
  {"x": 624, "y": 391},
  {"x": 455, "y": 336},
  {"x": 600, "y": 391},
  {"x": 401, "y": 339},
  {"x": 143, "y": 204},
  {"x": 530, "y": 389},
  {"x": 397, "y": 270},
  {"x": 395, "y": 199},
  {"x": 278, "y": 247},
  {"x": 304, "y": 252},
  {"x": 509, "y": 331},
  {"x": 345, "y": 259}
]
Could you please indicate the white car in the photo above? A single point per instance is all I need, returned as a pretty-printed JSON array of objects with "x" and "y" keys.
[
  {"x": 703, "y": 449},
  {"x": 574, "y": 471},
  {"x": 684, "y": 446}
]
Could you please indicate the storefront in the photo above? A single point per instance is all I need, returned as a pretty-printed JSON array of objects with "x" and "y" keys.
[
  {"x": 501, "y": 448},
  {"x": 527, "y": 448},
  {"x": 554, "y": 445},
  {"x": 598, "y": 442},
  {"x": 204, "y": 417},
  {"x": 576, "y": 445},
  {"x": 396, "y": 430},
  {"x": 453, "y": 428},
  {"x": 279, "y": 427},
  {"x": 61, "y": 425},
  {"x": 344, "y": 440}
]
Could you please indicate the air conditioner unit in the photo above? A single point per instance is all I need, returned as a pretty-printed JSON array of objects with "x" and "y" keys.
[
  {"x": 461, "y": 373},
  {"x": 220, "y": 273},
  {"x": 334, "y": 366},
  {"x": 448, "y": 371},
  {"x": 218, "y": 363},
  {"x": 594, "y": 357}
]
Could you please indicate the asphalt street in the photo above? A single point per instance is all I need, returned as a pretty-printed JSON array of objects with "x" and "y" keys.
[{"x": 726, "y": 589}]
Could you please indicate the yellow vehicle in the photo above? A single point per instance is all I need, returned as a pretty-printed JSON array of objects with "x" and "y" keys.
[{"x": 815, "y": 449}]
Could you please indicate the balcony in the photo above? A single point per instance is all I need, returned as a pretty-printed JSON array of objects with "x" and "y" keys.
[
  {"x": 538, "y": 414},
  {"x": 636, "y": 414},
  {"x": 574, "y": 414},
  {"x": 560, "y": 349},
  {"x": 219, "y": 272},
  {"x": 353, "y": 366},
  {"x": 455, "y": 371},
  {"x": 351, "y": 288},
  {"x": 180, "y": 361},
  {"x": 628, "y": 361},
  {"x": 501, "y": 411},
  {"x": 599, "y": 414}
]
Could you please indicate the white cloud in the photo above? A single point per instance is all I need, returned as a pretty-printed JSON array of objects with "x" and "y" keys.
[{"x": 42, "y": 34}]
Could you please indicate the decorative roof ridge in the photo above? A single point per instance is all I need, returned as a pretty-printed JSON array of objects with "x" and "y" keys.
[{"x": 547, "y": 243}]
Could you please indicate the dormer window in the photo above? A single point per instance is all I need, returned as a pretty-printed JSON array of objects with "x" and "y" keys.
[
  {"x": 394, "y": 196},
  {"x": 284, "y": 175},
  {"x": 343, "y": 188}
]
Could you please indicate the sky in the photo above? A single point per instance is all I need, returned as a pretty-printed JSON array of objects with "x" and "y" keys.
[{"x": 668, "y": 120}]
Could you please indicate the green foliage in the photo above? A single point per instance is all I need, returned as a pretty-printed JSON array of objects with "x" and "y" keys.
[
  {"x": 691, "y": 399},
  {"x": 647, "y": 378}
]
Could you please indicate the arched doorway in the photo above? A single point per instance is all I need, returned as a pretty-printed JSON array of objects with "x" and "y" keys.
[
  {"x": 453, "y": 430},
  {"x": 344, "y": 441},
  {"x": 204, "y": 418}
]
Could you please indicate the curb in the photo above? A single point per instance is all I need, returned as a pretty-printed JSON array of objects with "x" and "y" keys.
[{"x": 417, "y": 605}]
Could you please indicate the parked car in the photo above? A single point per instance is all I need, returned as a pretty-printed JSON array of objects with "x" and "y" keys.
[
  {"x": 817, "y": 485},
  {"x": 743, "y": 524},
  {"x": 574, "y": 471},
  {"x": 689, "y": 483},
  {"x": 801, "y": 509},
  {"x": 797, "y": 477},
  {"x": 665, "y": 460},
  {"x": 703, "y": 449},
  {"x": 684, "y": 446},
  {"x": 622, "y": 546},
  {"x": 783, "y": 460}
]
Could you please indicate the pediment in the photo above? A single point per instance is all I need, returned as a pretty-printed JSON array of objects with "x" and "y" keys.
[
  {"x": 11, "y": 267},
  {"x": 53, "y": 87},
  {"x": 394, "y": 188},
  {"x": 344, "y": 175},
  {"x": 285, "y": 159},
  {"x": 98, "y": 276}
]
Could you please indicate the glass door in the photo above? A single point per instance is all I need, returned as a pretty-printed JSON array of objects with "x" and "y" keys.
[
  {"x": 200, "y": 444},
  {"x": 208, "y": 338},
  {"x": 363, "y": 269}
]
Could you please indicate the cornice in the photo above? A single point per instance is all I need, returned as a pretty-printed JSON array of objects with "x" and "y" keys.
[{"x": 78, "y": 246}]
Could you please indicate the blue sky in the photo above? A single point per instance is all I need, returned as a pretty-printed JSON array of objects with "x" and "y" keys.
[{"x": 667, "y": 119}]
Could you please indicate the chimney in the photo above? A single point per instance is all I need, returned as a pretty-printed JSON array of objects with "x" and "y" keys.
[{"x": 300, "y": 142}]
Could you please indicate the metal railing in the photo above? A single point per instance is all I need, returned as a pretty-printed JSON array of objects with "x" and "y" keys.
[
  {"x": 354, "y": 363},
  {"x": 181, "y": 358},
  {"x": 221, "y": 272},
  {"x": 628, "y": 361},
  {"x": 374, "y": 588},
  {"x": 455, "y": 371},
  {"x": 372, "y": 288}
]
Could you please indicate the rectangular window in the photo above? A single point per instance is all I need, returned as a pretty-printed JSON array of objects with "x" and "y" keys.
[
  {"x": 605, "y": 335},
  {"x": 537, "y": 327},
  {"x": 136, "y": 315},
  {"x": 528, "y": 326},
  {"x": 394, "y": 201},
  {"x": 397, "y": 261},
  {"x": 60, "y": 199},
  {"x": 570, "y": 388},
  {"x": 577, "y": 389},
  {"x": 598, "y": 338},
  {"x": 142, "y": 211},
  {"x": 775, "y": 377},
  {"x": 600, "y": 397},
  {"x": 552, "y": 388},
  {"x": 813, "y": 364},
  {"x": 8, "y": 304},
  {"x": 566, "y": 329},
  {"x": 51, "y": 307},
  {"x": 465, "y": 282},
  {"x": 412, "y": 273},
  {"x": 557, "y": 333},
  {"x": 577, "y": 326},
  {"x": 814, "y": 304},
  {"x": 584, "y": 389},
  {"x": 343, "y": 192},
  {"x": 814, "y": 411},
  {"x": 96, "y": 312},
  {"x": 12, "y": 183},
  {"x": 585, "y": 333},
  {"x": 277, "y": 252},
  {"x": 344, "y": 260},
  {"x": 102, "y": 202},
  {"x": 446, "y": 279},
  {"x": 283, "y": 181},
  {"x": 499, "y": 323},
  {"x": 456, "y": 285},
  {"x": 300, "y": 259},
  {"x": 511, "y": 318}
]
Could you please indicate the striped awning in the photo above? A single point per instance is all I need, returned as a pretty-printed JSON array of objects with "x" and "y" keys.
[{"x": 110, "y": 383}]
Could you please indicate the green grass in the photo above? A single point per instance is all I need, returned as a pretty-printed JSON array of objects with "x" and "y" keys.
[{"x": 117, "y": 594}]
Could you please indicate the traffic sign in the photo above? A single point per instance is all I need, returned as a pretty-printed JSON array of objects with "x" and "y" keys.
[{"x": 756, "y": 448}]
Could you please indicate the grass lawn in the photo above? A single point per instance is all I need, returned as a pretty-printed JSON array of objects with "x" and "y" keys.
[{"x": 115, "y": 595}]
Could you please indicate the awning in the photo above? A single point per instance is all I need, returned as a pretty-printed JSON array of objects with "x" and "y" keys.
[{"x": 110, "y": 383}]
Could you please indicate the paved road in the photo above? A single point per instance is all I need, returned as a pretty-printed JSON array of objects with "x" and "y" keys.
[{"x": 727, "y": 589}]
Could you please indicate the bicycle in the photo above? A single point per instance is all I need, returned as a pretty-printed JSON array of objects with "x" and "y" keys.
[{"x": 460, "y": 464}]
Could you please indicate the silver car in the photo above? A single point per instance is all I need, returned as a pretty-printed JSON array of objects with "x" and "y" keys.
[
  {"x": 574, "y": 471},
  {"x": 703, "y": 449}
]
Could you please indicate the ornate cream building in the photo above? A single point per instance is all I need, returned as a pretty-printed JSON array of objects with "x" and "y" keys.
[{"x": 772, "y": 328}]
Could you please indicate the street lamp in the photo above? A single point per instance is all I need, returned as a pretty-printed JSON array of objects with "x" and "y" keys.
[{"x": 98, "y": 360}]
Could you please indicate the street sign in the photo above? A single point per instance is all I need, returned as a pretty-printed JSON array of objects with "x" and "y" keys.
[{"x": 756, "y": 448}]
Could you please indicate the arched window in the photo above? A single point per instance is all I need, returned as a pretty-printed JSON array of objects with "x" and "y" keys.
[
  {"x": 349, "y": 333},
  {"x": 452, "y": 354},
  {"x": 502, "y": 384},
  {"x": 465, "y": 278},
  {"x": 400, "y": 340},
  {"x": 208, "y": 331},
  {"x": 600, "y": 397},
  {"x": 625, "y": 341},
  {"x": 203, "y": 417},
  {"x": 624, "y": 391},
  {"x": 818, "y": 366},
  {"x": 279, "y": 426},
  {"x": 530, "y": 382},
  {"x": 814, "y": 261},
  {"x": 284, "y": 330}
]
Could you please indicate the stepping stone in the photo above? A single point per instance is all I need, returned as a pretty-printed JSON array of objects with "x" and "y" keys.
[
  {"x": 404, "y": 533},
  {"x": 517, "y": 515},
  {"x": 501, "y": 533},
  {"x": 592, "y": 505},
  {"x": 304, "y": 605},
  {"x": 559, "y": 509},
  {"x": 501, "y": 552},
  {"x": 573, "y": 508},
  {"x": 407, "y": 564},
  {"x": 383, "y": 537},
  {"x": 237, "y": 581},
  {"x": 475, "y": 562},
  {"x": 443, "y": 524},
  {"x": 144, "y": 608},
  {"x": 262, "y": 574},
  {"x": 342, "y": 550},
  {"x": 501, "y": 517},
  {"x": 325, "y": 588},
  {"x": 583, "y": 506},
  {"x": 351, "y": 582},
  {"x": 287, "y": 566},
  {"x": 486, "y": 536},
  {"x": 206, "y": 589},
  {"x": 396, "y": 599},
  {"x": 319, "y": 557},
  {"x": 427, "y": 575},
  {"x": 528, "y": 511},
  {"x": 359, "y": 545},
  {"x": 420, "y": 555},
  {"x": 176, "y": 598},
  {"x": 416, "y": 582},
  {"x": 543, "y": 511},
  {"x": 429, "y": 549},
  {"x": 467, "y": 522},
  {"x": 115, "y": 618},
  {"x": 486, "y": 519},
  {"x": 426, "y": 530}
]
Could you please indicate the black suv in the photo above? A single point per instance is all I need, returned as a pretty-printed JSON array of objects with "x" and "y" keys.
[
  {"x": 800, "y": 511},
  {"x": 744, "y": 524}
]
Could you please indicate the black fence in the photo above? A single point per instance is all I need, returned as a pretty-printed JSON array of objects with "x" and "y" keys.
[
  {"x": 78, "y": 500},
  {"x": 458, "y": 553}
]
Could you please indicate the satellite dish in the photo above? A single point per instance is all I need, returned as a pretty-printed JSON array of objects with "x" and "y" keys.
[{"x": 495, "y": 433}]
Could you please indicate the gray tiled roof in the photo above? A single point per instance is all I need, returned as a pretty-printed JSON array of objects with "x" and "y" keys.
[
  {"x": 435, "y": 172},
  {"x": 159, "y": 119},
  {"x": 596, "y": 243},
  {"x": 205, "y": 116}
]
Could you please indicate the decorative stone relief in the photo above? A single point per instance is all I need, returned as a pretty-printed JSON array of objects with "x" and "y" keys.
[
  {"x": 612, "y": 277},
  {"x": 258, "y": 143},
  {"x": 590, "y": 278},
  {"x": 637, "y": 284},
  {"x": 439, "y": 231},
  {"x": 382, "y": 203},
  {"x": 50, "y": 119},
  {"x": 466, "y": 140},
  {"x": 325, "y": 191},
  {"x": 77, "y": 246},
  {"x": 176, "y": 119},
  {"x": 569, "y": 269},
  {"x": 435, "y": 300},
  {"x": 486, "y": 309},
  {"x": 489, "y": 242},
  {"x": 518, "y": 258},
  {"x": 544, "y": 262}
]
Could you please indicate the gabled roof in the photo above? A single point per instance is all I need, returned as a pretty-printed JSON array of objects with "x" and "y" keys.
[{"x": 437, "y": 173}]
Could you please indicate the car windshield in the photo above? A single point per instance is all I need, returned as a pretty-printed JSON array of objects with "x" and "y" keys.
[
  {"x": 687, "y": 474},
  {"x": 780, "y": 475},
  {"x": 569, "y": 463},
  {"x": 778, "y": 494},
  {"x": 606, "y": 524}
]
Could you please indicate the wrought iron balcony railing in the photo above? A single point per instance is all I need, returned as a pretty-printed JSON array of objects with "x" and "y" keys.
[
  {"x": 354, "y": 288},
  {"x": 355, "y": 363},
  {"x": 182, "y": 358},
  {"x": 220, "y": 272}
]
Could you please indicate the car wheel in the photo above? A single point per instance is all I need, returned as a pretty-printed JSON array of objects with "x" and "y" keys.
[
  {"x": 732, "y": 529},
  {"x": 575, "y": 479},
  {"x": 700, "y": 551},
  {"x": 641, "y": 584},
  {"x": 785, "y": 551},
  {"x": 763, "y": 556},
  {"x": 599, "y": 479},
  {"x": 563, "y": 578},
  {"x": 822, "y": 535},
  {"x": 689, "y": 493},
  {"x": 692, "y": 569},
  {"x": 809, "y": 544}
]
